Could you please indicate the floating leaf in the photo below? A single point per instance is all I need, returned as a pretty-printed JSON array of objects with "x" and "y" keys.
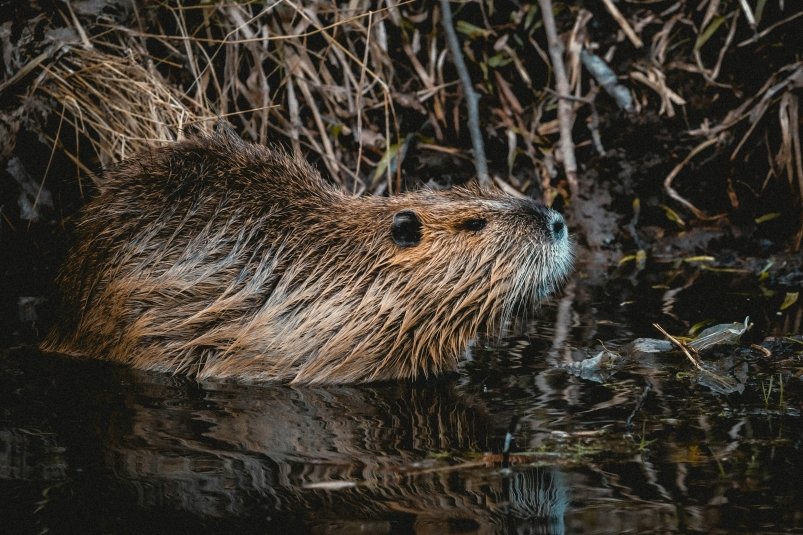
[
  {"x": 640, "y": 257},
  {"x": 725, "y": 270}
]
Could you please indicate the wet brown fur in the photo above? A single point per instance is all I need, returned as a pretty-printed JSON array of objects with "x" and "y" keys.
[{"x": 219, "y": 258}]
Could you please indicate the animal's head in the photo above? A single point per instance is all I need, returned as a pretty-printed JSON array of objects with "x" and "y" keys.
[{"x": 412, "y": 279}]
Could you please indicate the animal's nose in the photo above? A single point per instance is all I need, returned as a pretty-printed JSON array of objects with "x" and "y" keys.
[
  {"x": 547, "y": 220},
  {"x": 556, "y": 226}
]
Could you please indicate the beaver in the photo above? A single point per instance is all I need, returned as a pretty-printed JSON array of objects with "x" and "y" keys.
[{"x": 219, "y": 258}]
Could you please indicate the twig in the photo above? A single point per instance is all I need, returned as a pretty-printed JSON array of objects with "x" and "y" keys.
[
  {"x": 49, "y": 162},
  {"x": 748, "y": 13},
  {"x": 682, "y": 347},
  {"x": 480, "y": 162},
  {"x": 570, "y": 98},
  {"x": 28, "y": 67},
  {"x": 359, "y": 93},
  {"x": 507, "y": 188},
  {"x": 565, "y": 115},
  {"x": 718, "y": 383},
  {"x": 769, "y": 29},
  {"x": 617, "y": 15},
  {"x": 763, "y": 350},
  {"x": 593, "y": 124},
  {"x": 672, "y": 174},
  {"x": 85, "y": 42}
]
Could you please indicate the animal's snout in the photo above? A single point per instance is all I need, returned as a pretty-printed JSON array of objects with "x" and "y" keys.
[
  {"x": 556, "y": 226},
  {"x": 550, "y": 222}
]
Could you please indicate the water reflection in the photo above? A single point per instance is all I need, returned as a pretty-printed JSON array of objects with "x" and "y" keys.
[
  {"x": 395, "y": 454},
  {"x": 86, "y": 447}
]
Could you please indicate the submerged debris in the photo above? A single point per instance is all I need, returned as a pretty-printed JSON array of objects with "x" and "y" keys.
[
  {"x": 606, "y": 363},
  {"x": 723, "y": 334}
]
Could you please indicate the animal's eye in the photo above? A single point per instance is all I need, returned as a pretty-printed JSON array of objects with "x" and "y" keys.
[
  {"x": 474, "y": 224},
  {"x": 406, "y": 229}
]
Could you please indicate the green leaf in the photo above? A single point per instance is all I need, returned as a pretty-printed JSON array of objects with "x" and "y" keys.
[
  {"x": 382, "y": 166},
  {"x": 697, "y": 327},
  {"x": 530, "y": 18},
  {"x": 708, "y": 32},
  {"x": 673, "y": 216},
  {"x": 499, "y": 60},
  {"x": 789, "y": 300},
  {"x": 759, "y": 11},
  {"x": 470, "y": 30},
  {"x": 641, "y": 258},
  {"x": 700, "y": 258},
  {"x": 767, "y": 217}
]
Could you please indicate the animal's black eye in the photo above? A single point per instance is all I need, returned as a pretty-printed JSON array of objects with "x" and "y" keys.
[
  {"x": 406, "y": 229},
  {"x": 474, "y": 224}
]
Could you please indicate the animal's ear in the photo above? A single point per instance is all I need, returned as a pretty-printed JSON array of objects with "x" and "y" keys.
[{"x": 406, "y": 229}]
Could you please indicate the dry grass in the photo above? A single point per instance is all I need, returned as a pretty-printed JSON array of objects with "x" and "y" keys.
[
  {"x": 119, "y": 105},
  {"x": 356, "y": 85}
]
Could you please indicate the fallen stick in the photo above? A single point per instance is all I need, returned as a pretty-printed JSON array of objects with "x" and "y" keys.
[{"x": 622, "y": 22}]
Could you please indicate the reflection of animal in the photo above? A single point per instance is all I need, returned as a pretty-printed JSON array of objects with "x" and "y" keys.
[
  {"x": 351, "y": 455},
  {"x": 218, "y": 258},
  {"x": 172, "y": 455}
]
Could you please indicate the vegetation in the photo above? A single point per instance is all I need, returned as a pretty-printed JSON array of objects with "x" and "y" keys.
[{"x": 369, "y": 90}]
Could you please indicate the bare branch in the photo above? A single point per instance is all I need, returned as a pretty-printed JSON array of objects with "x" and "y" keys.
[
  {"x": 480, "y": 162},
  {"x": 565, "y": 114}
]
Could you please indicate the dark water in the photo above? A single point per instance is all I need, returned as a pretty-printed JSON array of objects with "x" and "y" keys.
[{"x": 93, "y": 448}]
